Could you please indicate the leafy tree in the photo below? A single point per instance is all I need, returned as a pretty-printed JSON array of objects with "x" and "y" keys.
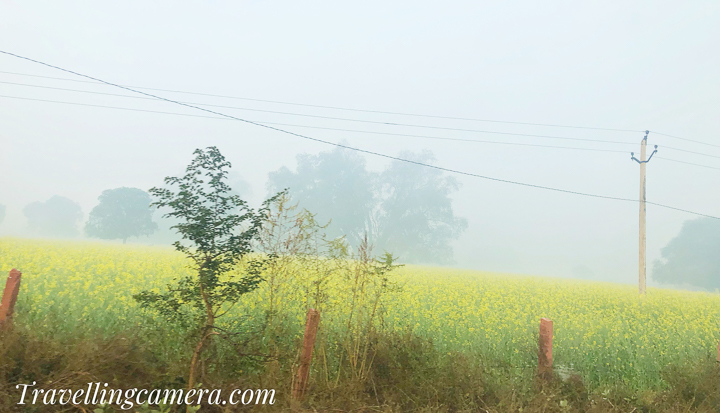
[
  {"x": 56, "y": 217},
  {"x": 218, "y": 232},
  {"x": 165, "y": 234},
  {"x": 416, "y": 219},
  {"x": 2, "y": 213},
  {"x": 121, "y": 213},
  {"x": 405, "y": 209},
  {"x": 693, "y": 256},
  {"x": 335, "y": 186}
]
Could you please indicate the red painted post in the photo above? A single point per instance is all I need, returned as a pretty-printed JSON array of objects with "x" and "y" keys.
[
  {"x": 9, "y": 297},
  {"x": 303, "y": 372},
  {"x": 545, "y": 343}
]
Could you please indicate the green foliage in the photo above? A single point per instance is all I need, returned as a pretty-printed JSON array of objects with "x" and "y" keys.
[
  {"x": 121, "y": 213},
  {"x": 406, "y": 209},
  {"x": 369, "y": 282},
  {"x": 56, "y": 217},
  {"x": 312, "y": 271},
  {"x": 416, "y": 218},
  {"x": 218, "y": 230},
  {"x": 692, "y": 256},
  {"x": 335, "y": 186}
]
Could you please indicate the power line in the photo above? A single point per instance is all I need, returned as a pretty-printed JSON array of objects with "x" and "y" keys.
[
  {"x": 358, "y": 149},
  {"x": 373, "y": 122},
  {"x": 352, "y": 130},
  {"x": 77, "y": 90},
  {"x": 684, "y": 139},
  {"x": 693, "y": 152},
  {"x": 320, "y": 127},
  {"x": 340, "y": 108},
  {"x": 114, "y": 107},
  {"x": 356, "y": 130},
  {"x": 349, "y": 109},
  {"x": 687, "y": 163},
  {"x": 453, "y": 139},
  {"x": 332, "y": 117}
]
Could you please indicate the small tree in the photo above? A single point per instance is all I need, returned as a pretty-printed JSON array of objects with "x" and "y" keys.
[
  {"x": 121, "y": 213},
  {"x": 220, "y": 230}
]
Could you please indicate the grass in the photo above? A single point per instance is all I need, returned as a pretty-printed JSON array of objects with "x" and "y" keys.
[{"x": 444, "y": 339}]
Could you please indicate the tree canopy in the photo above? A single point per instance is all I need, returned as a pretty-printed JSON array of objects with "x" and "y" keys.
[
  {"x": 336, "y": 186},
  {"x": 56, "y": 217},
  {"x": 405, "y": 209},
  {"x": 693, "y": 256},
  {"x": 416, "y": 219},
  {"x": 122, "y": 213}
]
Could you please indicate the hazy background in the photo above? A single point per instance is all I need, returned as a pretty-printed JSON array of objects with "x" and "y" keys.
[{"x": 644, "y": 65}]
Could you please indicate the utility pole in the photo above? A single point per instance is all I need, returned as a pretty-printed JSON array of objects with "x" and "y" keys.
[{"x": 642, "y": 161}]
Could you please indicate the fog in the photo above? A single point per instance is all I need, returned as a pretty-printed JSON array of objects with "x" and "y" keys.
[{"x": 638, "y": 66}]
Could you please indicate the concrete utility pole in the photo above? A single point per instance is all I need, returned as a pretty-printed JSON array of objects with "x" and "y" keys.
[{"x": 643, "y": 199}]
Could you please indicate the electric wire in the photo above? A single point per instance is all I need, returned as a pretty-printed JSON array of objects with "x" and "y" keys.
[
  {"x": 332, "y": 117},
  {"x": 685, "y": 139},
  {"x": 320, "y": 127},
  {"x": 357, "y": 110},
  {"x": 364, "y": 121},
  {"x": 357, "y": 130},
  {"x": 693, "y": 152},
  {"x": 686, "y": 163},
  {"x": 364, "y": 150},
  {"x": 342, "y": 108}
]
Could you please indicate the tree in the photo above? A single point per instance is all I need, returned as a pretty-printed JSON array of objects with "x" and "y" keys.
[
  {"x": 56, "y": 217},
  {"x": 693, "y": 256},
  {"x": 335, "y": 186},
  {"x": 405, "y": 209},
  {"x": 219, "y": 231},
  {"x": 416, "y": 219},
  {"x": 121, "y": 213}
]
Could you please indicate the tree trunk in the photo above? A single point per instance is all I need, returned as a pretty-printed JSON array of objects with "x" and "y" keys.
[
  {"x": 207, "y": 333},
  {"x": 196, "y": 356}
]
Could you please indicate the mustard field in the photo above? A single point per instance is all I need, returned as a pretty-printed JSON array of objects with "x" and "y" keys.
[{"x": 604, "y": 332}]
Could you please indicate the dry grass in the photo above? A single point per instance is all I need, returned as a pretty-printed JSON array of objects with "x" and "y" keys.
[{"x": 408, "y": 374}]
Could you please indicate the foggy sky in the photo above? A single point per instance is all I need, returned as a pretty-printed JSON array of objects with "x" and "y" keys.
[{"x": 640, "y": 65}]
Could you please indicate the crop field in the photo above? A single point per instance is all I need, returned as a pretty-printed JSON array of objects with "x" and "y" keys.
[{"x": 604, "y": 332}]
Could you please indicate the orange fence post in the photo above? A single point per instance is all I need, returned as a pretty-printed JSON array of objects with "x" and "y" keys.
[
  {"x": 303, "y": 372},
  {"x": 9, "y": 297},
  {"x": 545, "y": 344}
]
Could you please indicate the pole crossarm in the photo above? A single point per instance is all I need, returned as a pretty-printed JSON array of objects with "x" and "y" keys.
[
  {"x": 648, "y": 159},
  {"x": 632, "y": 154}
]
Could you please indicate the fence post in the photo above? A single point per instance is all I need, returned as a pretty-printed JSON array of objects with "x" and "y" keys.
[
  {"x": 9, "y": 297},
  {"x": 303, "y": 372},
  {"x": 545, "y": 343}
]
